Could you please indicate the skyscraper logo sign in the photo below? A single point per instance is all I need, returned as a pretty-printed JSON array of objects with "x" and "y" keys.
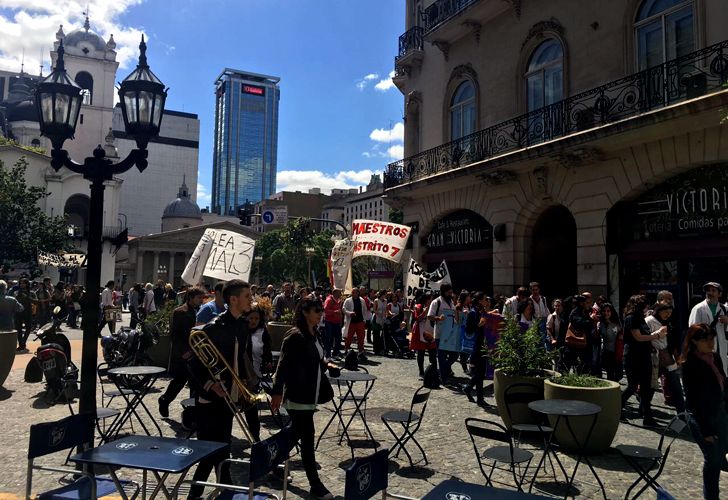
[{"x": 250, "y": 89}]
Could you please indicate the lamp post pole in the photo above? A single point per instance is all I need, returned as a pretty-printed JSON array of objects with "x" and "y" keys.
[{"x": 58, "y": 97}]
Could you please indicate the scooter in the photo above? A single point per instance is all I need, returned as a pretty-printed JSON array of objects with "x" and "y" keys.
[
  {"x": 52, "y": 361},
  {"x": 128, "y": 347}
]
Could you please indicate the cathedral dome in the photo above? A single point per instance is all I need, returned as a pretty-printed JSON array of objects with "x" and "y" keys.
[
  {"x": 78, "y": 37},
  {"x": 183, "y": 206}
]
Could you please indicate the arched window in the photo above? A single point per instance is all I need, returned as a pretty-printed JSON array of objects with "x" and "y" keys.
[
  {"x": 462, "y": 111},
  {"x": 545, "y": 75},
  {"x": 664, "y": 30},
  {"x": 86, "y": 82}
]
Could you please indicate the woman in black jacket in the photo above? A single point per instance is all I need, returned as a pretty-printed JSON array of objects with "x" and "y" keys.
[
  {"x": 706, "y": 395},
  {"x": 300, "y": 379}
]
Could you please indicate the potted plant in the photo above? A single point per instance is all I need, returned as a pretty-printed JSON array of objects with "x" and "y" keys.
[
  {"x": 519, "y": 357},
  {"x": 604, "y": 393},
  {"x": 160, "y": 352}
]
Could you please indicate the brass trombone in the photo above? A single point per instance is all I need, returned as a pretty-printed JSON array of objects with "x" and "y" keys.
[{"x": 216, "y": 365}]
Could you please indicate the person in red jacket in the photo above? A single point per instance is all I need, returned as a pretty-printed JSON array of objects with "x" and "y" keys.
[{"x": 332, "y": 324}]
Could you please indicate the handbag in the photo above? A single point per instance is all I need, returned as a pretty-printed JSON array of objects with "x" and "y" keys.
[
  {"x": 326, "y": 392},
  {"x": 574, "y": 339}
]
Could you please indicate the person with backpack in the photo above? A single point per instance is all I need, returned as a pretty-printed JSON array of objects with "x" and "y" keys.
[
  {"x": 446, "y": 331},
  {"x": 712, "y": 313}
]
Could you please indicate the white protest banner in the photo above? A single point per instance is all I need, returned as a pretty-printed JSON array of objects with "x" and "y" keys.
[
  {"x": 340, "y": 263},
  {"x": 379, "y": 239},
  {"x": 419, "y": 280},
  {"x": 72, "y": 260},
  {"x": 223, "y": 255}
]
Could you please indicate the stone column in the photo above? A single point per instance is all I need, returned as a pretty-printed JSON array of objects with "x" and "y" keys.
[
  {"x": 139, "y": 265},
  {"x": 155, "y": 268},
  {"x": 171, "y": 268}
]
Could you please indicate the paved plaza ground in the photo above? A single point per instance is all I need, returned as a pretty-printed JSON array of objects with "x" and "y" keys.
[{"x": 442, "y": 435}]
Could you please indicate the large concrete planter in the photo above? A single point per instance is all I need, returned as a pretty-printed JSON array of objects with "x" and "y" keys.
[
  {"x": 501, "y": 382},
  {"x": 608, "y": 398},
  {"x": 159, "y": 353},
  {"x": 8, "y": 343},
  {"x": 277, "y": 331}
]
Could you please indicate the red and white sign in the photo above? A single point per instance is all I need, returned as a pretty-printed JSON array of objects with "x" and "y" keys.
[
  {"x": 250, "y": 89},
  {"x": 379, "y": 239}
]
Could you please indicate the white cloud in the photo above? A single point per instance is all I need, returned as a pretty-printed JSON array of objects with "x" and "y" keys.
[
  {"x": 386, "y": 84},
  {"x": 396, "y": 152},
  {"x": 361, "y": 84},
  {"x": 204, "y": 198},
  {"x": 30, "y": 26},
  {"x": 395, "y": 134},
  {"x": 303, "y": 180}
]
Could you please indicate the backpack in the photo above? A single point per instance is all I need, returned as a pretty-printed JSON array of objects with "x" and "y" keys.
[
  {"x": 431, "y": 379},
  {"x": 351, "y": 361}
]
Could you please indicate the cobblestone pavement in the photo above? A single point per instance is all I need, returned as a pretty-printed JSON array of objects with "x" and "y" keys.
[{"x": 442, "y": 435}]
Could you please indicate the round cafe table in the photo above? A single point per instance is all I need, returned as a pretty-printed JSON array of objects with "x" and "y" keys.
[
  {"x": 567, "y": 409},
  {"x": 147, "y": 376}
]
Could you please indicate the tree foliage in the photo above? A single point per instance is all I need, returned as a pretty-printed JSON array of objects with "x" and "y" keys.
[
  {"x": 24, "y": 226},
  {"x": 283, "y": 253}
]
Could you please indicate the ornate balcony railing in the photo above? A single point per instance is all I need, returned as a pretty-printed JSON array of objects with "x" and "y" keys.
[
  {"x": 442, "y": 10},
  {"x": 410, "y": 40},
  {"x": 686, "y": 77}
]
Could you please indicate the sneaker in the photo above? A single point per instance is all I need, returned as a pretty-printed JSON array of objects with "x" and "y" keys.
[
  {"x": 320, "y": 492},
  {"x": 163, "y": 408}
]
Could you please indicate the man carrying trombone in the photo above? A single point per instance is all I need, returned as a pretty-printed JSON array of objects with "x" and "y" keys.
[{"x": 228, "y": 334}]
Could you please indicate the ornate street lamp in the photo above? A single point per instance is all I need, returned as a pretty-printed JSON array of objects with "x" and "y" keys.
[
  {"x": 58, "y": 99},
  {"x": 310, "y": 252}
]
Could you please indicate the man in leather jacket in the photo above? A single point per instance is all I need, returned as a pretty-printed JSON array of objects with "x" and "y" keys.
[{"x": 229, "y": 333}]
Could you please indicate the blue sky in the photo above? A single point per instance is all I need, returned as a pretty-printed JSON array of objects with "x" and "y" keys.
[{"x": 336, "y": 126}]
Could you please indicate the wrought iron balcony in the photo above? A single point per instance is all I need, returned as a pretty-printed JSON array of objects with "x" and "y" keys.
[
  {"x": 442, "y": 10},
  {"x": 409, "y": 41},
  {"x": 693, "y": 75}
]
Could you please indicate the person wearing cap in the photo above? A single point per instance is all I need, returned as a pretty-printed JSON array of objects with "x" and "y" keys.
[{"x": 713, "y": 313}]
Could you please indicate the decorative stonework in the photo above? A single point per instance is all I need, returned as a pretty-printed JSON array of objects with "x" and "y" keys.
[
  {"x": 474, "y": 28},
  {"x": 497, "y": 177},
  {"x": 579, "y": 156},
  {"x": 516, "y": 5},
  {"x": 463, "y": 71},
  {"x": 412, "y": 102},
  {"x": 540, "y": 176},
  {"x": 443, "y": 46},
  {"x": 540, "y": 29}
]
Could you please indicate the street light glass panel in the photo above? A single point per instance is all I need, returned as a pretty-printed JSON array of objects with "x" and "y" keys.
[{"x": 142, "y": 96}]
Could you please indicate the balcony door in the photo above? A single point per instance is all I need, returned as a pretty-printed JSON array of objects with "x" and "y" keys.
[{"x": 664, "y": 30}]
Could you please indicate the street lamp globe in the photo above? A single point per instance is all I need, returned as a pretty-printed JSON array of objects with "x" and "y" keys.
[
  {"x": 58, "y": 99},
  {"x": 142, "y": 96}
]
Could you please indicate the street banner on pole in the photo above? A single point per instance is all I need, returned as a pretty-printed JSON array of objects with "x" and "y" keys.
[
  {"x": 72, "y": 260},
  {"x": 419, "y": 280},
  {"x": 379, "y": 239},
  {"x": 223, "y": 255},
  {"x": 340, "y": 264}
]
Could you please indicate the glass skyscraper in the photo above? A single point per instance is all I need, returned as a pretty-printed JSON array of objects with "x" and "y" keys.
[{"x": 245, "y": 149}]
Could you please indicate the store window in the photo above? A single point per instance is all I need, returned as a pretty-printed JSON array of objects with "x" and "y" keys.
[
  {"x": 462, "y": 111},
  {"x": 545, "y": 75},
  {"x": 664, "y": 30}
]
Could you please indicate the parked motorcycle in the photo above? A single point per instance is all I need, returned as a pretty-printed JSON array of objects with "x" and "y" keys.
[
  {"x": 52, "y": 362},
  {"x": 128, "y": 347}
]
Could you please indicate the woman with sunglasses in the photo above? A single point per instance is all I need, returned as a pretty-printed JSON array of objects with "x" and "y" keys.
[
  {"x": 301, "y": 381},
  {"x": 706, "y": 397}
]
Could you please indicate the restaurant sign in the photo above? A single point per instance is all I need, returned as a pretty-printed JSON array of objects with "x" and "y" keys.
[
  {"x": 688, "y": 205},
  {"x": 461, "y": 230}
]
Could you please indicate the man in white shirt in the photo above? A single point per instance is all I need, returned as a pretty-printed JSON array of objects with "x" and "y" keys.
[
  {"x": 107, "y": 302},
  {"x": 148, "y": 305},
  {"x": 713, "y": 313},
  {"x": 540, "y": 306},
  {"x": 511, "y": 305}
]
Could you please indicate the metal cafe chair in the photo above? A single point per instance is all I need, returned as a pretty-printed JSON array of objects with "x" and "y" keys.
[
  {"x": 69, "y": 432},
  {"x": 265, "y": 456},
  {"x": 410, "y": 422},
  {"x": 368, "y": 476},
  {"x": 505, "y": 453},
  {"x": 644, "y": 459}
]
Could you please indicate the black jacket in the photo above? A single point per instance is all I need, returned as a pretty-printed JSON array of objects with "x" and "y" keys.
[
  {"x": 298, "y": 368},
  {"x": 223, "y": 331},
  {"x": 183, "y": 321},
  {"x": 703, "y": 396}
]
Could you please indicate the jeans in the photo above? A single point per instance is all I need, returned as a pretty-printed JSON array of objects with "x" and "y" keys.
[
  {"x": 477, "y": 375},
  {"x": 23, "y": 323},
  {"x": 303, "y": 430},
  {"x": 445, "y": 359},
  {"x": 330, "y": 330},
  {"x": 675, "y": 389},
  {"x": 595, "y": 364},
  {"x": 72, "y": 316},
  {"x": 431, "y": 353},
  {"x": 639, "y": 373},
  {"x": 714, "y": 459}
]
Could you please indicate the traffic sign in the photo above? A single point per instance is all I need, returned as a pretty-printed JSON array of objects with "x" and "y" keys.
[{"x": 275, "y": 215}]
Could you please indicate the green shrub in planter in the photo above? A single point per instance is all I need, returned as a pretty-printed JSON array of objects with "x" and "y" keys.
[{"x": 579, "y": 380}]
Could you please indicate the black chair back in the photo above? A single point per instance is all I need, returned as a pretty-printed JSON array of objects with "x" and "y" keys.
[
  {"x": 674, "y": 428},
  {"x": 419, "y": 403},
  {"x": 485, "y": 429},
  {"x": 520, "y": 395},
  {"x": 50, "y": 437},
  {"x": 265, "y": 455},
  {"x": 367, "y": 476}
]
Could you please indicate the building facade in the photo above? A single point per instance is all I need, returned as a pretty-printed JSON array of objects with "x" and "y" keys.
[
  {"x": 367, "y": 204},
  {"x": 579, "y": 144},
  {"x": 245, "y": 147}
]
